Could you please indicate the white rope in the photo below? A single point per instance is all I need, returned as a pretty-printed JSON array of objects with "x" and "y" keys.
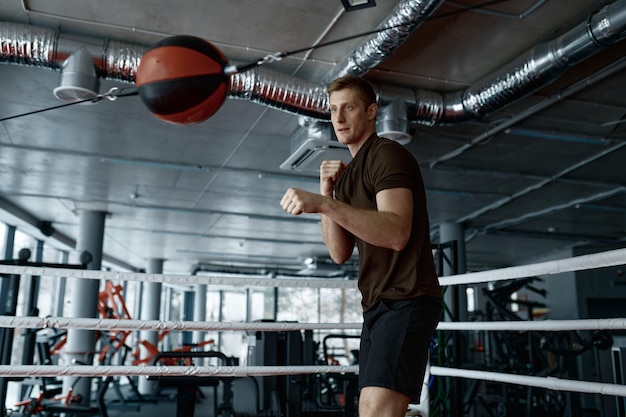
[
  {"x": 236, "y": 281},
  {"x": 576, "y": 263},
  {"x": 26, "y": 371},
  {"x": 558, "y": 384},
  {"x": 542, "y": 325},
  {"x": 552, "y": 383},
  {"x": 160, "y": 325}
]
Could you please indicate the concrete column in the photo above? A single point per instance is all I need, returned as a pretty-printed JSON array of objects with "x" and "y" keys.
[
  {"x": 81, "y": 344},
  {"x": 150, "y": 310},
  {"x": 199, "y": 310},
  {"x": 167, "y": 315},
  {"x": 187, "y": 310},
  {"x": 449, "y": 232},
  {"x": 59, "y": 296}
]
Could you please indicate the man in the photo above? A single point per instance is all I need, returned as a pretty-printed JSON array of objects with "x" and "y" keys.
[{"x": 378, "y": 203}]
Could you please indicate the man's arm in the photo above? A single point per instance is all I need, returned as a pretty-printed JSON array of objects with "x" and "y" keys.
[
  {"x": 389, "y": 226},
  {"x": 339, "y": 242}
]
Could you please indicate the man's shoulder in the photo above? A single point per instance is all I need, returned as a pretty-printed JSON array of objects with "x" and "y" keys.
[{"x": 382, "y": 146}]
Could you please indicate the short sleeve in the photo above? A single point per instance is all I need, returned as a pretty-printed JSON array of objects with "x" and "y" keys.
[{"x": 391, "y": 167}]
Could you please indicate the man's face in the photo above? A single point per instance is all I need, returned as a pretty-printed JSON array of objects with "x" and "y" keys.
[{"x": 352, "y": 121}]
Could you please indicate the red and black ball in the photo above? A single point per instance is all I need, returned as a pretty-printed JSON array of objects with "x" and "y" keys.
[{"x": 181, "y": 79}]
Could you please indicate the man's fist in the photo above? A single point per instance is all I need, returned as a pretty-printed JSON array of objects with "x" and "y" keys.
[{"x": 330, "y": 171}]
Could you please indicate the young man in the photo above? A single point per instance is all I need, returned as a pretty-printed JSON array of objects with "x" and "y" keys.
[{"x": 378, "y": 203}]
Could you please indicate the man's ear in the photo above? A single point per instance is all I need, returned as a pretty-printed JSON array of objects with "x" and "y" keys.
[{"x": 372, "y": 111}]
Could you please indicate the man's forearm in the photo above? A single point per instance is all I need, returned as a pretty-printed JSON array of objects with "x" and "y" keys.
[
  {"x": 339, "y": 241},
  {"x": 388, "y": 227}
]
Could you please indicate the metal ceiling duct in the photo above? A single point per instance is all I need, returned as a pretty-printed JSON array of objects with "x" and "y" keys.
[
  {"x": 538, "y": 67},
  {"x": 42, "y": 47},
  {"x": 405, "y": 18},
  {"x": 392, "y": 122},
  {"x": 310, "y": 99}
]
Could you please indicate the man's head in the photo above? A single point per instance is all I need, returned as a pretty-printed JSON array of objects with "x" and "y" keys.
[
  {"x": 353, "y": 110},
  {"x": 363, "y": 87}
]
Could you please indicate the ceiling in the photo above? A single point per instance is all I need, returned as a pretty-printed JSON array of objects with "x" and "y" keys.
[{"x": 535, "y": 169}]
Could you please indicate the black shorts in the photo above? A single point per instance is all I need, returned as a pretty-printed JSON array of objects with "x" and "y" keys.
[{"x": 395, "y": 342}]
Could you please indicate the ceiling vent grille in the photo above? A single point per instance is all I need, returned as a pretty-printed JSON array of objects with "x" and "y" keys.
[
  {"x": 314, "y": 142},
  {"x": 308, "y": 157}
]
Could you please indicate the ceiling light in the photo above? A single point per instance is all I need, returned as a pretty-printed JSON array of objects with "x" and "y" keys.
[
  {"x": 351, "y": 5},
  {"x": 78, "y": 80},
  {"x": 154, "y": 164}
]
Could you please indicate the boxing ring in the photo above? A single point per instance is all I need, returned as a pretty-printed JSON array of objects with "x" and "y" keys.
[{"x": 544, "y": 269}]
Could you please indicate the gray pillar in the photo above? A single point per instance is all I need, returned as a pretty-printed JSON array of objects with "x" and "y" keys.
[
  {"x": 199, "y": 314},
  {"x": 449, "y": 232},
  {"x": 81, "y": 344},
  {"x": 199, "y": 310},
  {"x": 59, "y": 296},
  {"x": 150, "y": 310},
  {"x": 167, "y": 315}
]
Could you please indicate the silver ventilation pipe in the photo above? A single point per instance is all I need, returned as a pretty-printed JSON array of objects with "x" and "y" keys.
[
  {"x": 280, "y": 91},
  {"x": 405, "y": 18},
  {"x": 310, "y": 99},
  {"x": 31, "y": 45},
  {"x": 24, "y": 44},
  {"x": 536, "y": 68},
  {"x": 41, "y": 47}
]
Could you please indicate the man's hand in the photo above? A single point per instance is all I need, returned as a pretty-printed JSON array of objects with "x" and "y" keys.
[
  {"x": 330, "y": 171},
  {"x": 296, "y": 201}
]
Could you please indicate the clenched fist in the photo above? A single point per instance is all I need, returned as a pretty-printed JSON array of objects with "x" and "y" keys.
[
  {"x": 296, "y": 201},
  {"x": 330, "y": 171}
]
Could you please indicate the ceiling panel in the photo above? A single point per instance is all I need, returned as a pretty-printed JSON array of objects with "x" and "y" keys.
[{"x": 210, "y": 192}]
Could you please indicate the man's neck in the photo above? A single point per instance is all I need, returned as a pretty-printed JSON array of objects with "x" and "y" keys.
[{"x": 354, "y": 147}]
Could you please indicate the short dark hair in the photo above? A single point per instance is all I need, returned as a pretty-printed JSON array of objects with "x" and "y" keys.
[{"x": 363, "y": 87}]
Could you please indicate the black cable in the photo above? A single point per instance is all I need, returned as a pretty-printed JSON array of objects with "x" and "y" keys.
[
  {"x": 230, "y": 70},
  {"x": 87, "y": 100},
  {"x": 280, "y": 55}
]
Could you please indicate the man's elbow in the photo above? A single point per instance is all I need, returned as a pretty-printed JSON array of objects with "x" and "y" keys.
[
  {"x": 399, "y": 242},
  {"x": 340, "y": 259},
  {"x": 341, "y": 255}
]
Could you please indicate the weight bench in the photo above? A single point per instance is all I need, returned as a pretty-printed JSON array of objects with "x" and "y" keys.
[{"x": 187, "y": 386}]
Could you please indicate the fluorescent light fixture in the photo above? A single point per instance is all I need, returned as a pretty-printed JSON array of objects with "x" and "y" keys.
[
  {"x": 153, "y": 164},
  {"x": 351, "y": 5}
]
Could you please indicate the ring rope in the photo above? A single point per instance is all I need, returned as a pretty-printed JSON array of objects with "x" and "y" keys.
[
  {"x": 576, "y": 263},
  {"x": 552, "y": 383},
  {"x": 159, "y": 325},
  {"x": 236, "y": 281},
  {"x": 539, "y": 325},
  {"x": 26, "y": 371}
]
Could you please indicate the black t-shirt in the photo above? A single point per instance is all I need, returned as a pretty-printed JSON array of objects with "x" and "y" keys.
[{"x": 382, "y": 164}]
